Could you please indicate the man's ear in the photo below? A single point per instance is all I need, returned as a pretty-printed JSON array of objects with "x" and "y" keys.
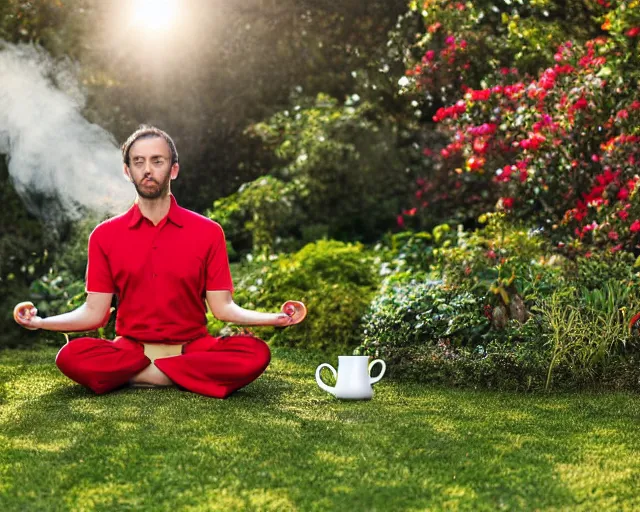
[
  {"x": 127, "y": 173},
  {"x": 175, "y": 170}
]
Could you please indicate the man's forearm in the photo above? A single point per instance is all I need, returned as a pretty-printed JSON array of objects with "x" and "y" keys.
[
  {"x": 237, "y": 315},
  {"x": 81, "y": 319}
]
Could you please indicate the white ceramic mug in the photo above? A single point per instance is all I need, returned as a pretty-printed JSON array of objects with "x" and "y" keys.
[{"x": 353, "y": 380}]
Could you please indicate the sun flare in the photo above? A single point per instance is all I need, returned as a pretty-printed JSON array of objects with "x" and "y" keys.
[{"x": 155, "y": 14}]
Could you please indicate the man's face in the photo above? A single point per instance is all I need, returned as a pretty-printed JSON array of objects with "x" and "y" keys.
[{"x": 150, "y": 167}]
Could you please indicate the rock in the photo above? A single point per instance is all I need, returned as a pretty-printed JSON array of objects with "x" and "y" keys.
[
  {"x": 499, "y": 320},
  {"x": 517, "y": 309}
]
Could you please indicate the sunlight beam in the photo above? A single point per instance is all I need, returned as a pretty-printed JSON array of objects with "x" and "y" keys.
[{"x": 154, "y": 14}]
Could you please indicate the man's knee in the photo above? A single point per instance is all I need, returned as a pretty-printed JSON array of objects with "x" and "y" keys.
[
  {"x": 72, "y": 361},
  {"x": 65, "y": 359},
  {"x": 257, "y": 354},
  {"x": 262, "y": 356}
]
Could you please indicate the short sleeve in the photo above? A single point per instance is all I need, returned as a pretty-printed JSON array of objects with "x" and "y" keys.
[
  {"x": 98, "y": 278},
  {"x": 218, "y": 273}
]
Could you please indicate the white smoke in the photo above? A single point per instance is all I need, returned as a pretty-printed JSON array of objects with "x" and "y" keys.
[{"x": 59, "y": 163}]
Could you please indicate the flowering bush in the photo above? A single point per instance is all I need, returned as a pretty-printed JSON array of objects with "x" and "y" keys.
[
  {"x": 491, "y": 308},
  {"x": 560, "y": 149},
  {"x": 466, "y": 42}
]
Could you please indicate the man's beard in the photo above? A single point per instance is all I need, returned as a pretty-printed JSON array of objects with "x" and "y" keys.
[{"x": 152, "y": 193}]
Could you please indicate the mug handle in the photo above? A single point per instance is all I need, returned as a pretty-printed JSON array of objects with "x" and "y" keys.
[
  {"x": 384, "y": 368},
  {"x": 322, "y": 385}
]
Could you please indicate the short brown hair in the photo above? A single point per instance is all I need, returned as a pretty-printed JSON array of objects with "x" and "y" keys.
[{"x": 146, "y": 131}]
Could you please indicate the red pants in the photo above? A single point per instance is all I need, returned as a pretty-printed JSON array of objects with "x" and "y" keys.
[{"x": 210, "y": 366}]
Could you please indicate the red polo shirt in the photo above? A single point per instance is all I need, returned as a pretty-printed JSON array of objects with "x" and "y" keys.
[{"x": 160, "y": 274}]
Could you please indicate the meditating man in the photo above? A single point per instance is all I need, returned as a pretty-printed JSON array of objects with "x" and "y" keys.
[{"x": 165, "y": 264}]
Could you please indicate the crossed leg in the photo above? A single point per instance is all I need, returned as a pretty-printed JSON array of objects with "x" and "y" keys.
[{"x": 209, "y": 366}]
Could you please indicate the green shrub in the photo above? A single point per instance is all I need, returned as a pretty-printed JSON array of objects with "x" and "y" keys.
[
  {"x": 259, "y": 215},
  {"x": 602, "y": 266},
  {"x": 24, "y": 252},
  {"x": 338, "y": 173},
  {"x": 335, "y": 280},
  {"x": 445, "y": 312},
  {"x": 506, "y": 366},
  {"x": 62, "y": 288},
  {"x": 502, "y": 261}
]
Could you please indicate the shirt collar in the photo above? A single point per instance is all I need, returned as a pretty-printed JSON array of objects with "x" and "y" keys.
[{"x": 174, "y": 215}]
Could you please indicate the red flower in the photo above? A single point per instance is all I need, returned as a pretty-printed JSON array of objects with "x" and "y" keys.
[
  {"x": 507, "y": 202},
  {"x": 633, "y": 320},
  {"x": 623, "y": 194},
  {"x": 505, "y": 174},
  {"x": 612, "y": 235},
  {"x": 400, "y": 221},
  {"x": 581, "y": 104},
  {"x": 483, "y": 129},
  {"x": 533, "y": 142},
  {"x": 479, "y": 95},
  {"x": 635, "y": 227},
  {"x": 480, "y": 145},
  {"x": 633, "y": 32},
  {"x": 434, "y": 28},
  {"x": 475, "y": 162},
  {"x": 623, "y": 214},
  {"x": 547, "y": 81}
]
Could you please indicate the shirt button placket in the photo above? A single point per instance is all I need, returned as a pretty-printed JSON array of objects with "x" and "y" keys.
[{"x": 154, "y": 256}]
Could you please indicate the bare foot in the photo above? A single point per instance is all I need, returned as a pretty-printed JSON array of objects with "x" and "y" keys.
[{"x": 151, "y": 376}]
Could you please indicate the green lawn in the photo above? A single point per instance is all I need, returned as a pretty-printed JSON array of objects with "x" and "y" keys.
[{"x": 283, "y": 444}]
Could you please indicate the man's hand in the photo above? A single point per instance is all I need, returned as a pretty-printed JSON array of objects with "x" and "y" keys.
[
  {"x": 25, "y": 314},
  {"x": 293, "y": 312}
]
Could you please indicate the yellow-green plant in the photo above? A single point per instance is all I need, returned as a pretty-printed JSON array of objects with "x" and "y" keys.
[{"x": 585, "y": 327}]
